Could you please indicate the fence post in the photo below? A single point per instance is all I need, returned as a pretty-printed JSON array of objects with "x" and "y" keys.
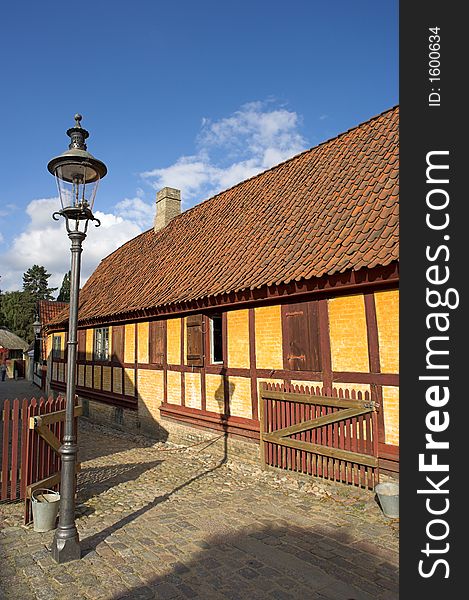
[{"x": 262, "y": 427}]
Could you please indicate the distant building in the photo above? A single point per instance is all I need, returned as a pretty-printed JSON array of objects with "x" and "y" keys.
[
  {"x": 13, "y": 349},
  {"x": 47, "y": 310},
  {"x": 289, "y": 276}
]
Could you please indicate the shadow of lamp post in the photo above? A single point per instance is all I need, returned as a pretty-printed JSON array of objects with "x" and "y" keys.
[{"x": 77, "y": 173}]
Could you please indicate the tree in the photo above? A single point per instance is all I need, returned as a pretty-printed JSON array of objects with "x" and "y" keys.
[
  {"x": 64, "y": 294},
  {"x": 35, "y": 281},
  {"x": 18, "y": 310}
]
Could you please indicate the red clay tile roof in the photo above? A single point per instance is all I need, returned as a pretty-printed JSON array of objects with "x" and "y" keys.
[
  {"x": 49, "y": 310},
  {"x": 327, "y": 210}
]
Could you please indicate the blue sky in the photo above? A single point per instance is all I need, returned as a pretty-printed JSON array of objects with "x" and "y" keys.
[{"x": 193, "y": 95}]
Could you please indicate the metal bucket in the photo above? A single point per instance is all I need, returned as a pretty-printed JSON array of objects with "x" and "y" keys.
[
  {"x": 45, "y": 505},
  {"x": 388, "y": 496}
]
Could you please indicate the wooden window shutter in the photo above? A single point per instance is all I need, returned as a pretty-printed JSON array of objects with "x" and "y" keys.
[
  {"x": 118, "y": 343},
  {"x": 157, "y": 342},
  {"x": 81, "y": 338},
  {"x": 301, "y": 337},
  {"x": 195, "y": 341}
]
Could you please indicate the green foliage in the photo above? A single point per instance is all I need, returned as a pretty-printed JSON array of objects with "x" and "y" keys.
[
  {"x": 64, "y": 294},
  {"x": 35, "y": 281},
  {"x": 17, "y": 310}
]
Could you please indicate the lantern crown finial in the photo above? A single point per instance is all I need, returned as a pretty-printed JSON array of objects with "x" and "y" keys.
[{"x": 77, "y": 134}]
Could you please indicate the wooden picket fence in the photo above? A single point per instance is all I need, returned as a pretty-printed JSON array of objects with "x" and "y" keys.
[
  {"x": 14, "y": 438},
  {"x": 333, "y": 436},
  {"x": 29, "y": 441}
]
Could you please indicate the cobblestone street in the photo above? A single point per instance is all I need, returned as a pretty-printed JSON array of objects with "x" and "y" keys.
[{"x": 166, "y": 522}]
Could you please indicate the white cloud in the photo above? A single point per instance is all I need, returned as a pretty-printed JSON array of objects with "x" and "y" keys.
[
  {"x": 229, "y": 150},
  {"x": 44, "y": 242},
  {"x": 251, "y": 140},
  {"x": 137, "y": 211}
]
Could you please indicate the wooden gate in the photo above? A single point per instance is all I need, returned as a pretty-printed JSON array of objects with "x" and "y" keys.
[
  {"x": 30, "y": 439},
  {"x": 331, "y": 436}
]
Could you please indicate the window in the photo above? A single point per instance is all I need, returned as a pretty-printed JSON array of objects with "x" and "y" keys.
[
  {"x": 216, "y": 339},
  {"x": 101, "y": 343},
  {"x": 157, "y": 342},
  {"x": 56, "y": 347},
  {"x": 301, "y": 345}
]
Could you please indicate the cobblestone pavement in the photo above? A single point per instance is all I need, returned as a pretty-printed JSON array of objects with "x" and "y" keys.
[
  {"x": 18, "y": 388},
  {"x": 170, "y": 523}
]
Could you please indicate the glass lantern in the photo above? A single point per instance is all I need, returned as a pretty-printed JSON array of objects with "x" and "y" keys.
[{"x": 77, "y": 173}]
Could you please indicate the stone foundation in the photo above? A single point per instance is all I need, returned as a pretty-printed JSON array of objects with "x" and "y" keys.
[{"x": 112, "y": 416}]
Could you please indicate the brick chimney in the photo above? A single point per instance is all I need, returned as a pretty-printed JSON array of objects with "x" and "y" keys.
[{"x": 168, "y": 206}]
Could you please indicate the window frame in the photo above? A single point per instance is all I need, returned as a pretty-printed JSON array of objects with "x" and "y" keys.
[
  {"x": 56, "y": 347},
  {"x": 211, "y": 341},
  {"x": 101, "y": 354}
]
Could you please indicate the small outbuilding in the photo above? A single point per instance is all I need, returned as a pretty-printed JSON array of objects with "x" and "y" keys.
[{"x": 13, "y": 349}]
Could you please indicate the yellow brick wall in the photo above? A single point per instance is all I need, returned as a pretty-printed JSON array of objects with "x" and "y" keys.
[
  {"x": 391, "y": 414},
  {"x": 150, "y": 393},
  {"x": 129, "y": 343},
  {"x": 143, "y": 341},
  {"x": 240, "y": 397},
  {"x": 89, "y": 376},
  {"x": 48, "y": 346},
  {"x": 129, "y": 382},
  {"x": 81, "y": 375},
  {"x": 387, "y": 316},
  {"x": 174, "y": 387},
  {"x": 107, "y": 373},
  {"x": 174, "y": 341},
  {"x": 117, "y": 380},
  {"x": 214, "y": 387},
  {"x": 193, "y": 395},
  {"x": 97, "y": 377},
  {"x": 89, "y": 344},
  {"x": 268, "y": 337},
  {"x": 238, "y": 338},
  {"x": 347, "y": 325}
]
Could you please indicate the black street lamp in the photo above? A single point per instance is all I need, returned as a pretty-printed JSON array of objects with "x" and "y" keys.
[
  {"x": 77, "y": 173},
  {"x": 37, "y": 327}
]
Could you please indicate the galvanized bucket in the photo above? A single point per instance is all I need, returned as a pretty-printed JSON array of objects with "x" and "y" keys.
[
  {"x": 45, "y": 505},
  {"x": 388, "y": 496}
]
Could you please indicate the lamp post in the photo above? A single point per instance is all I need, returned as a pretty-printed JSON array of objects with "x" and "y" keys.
[{"x": 77, "y": 173}]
